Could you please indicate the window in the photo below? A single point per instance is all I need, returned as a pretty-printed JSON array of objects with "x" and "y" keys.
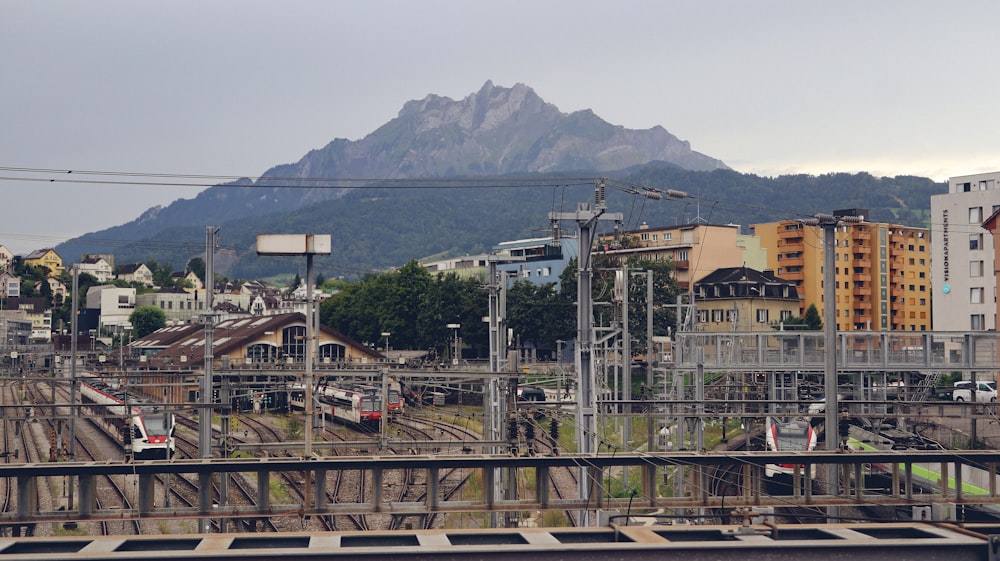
[
  {"x": 976, "y": 295},
  {"x": 976, "y": 269},
  {"x": 976, "y": 241},
  {"x": 668, "y": 236},
  {"x": 644, "y": 237},
  {"x": 978, "y": 322},
  {"x": 702, "y": 316},
  {"x": 976, "y": 215},
  {"x": 717, "y": 316},
  {"x": 762, "y": 316},
  {"x": 786, "y": 315},
  {"x": 546, "y": 272},
  {"x": 682, "y": 255}
]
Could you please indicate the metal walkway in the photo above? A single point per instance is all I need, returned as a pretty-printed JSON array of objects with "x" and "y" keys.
[{"x": 900, "y": 542}]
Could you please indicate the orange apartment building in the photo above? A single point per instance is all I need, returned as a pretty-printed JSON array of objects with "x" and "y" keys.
[{"x": 883, "y": 271}]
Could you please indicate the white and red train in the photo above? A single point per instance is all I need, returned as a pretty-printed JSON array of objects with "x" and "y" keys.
[
  {"x": 360, "y": 406},
  {"x": 144, "y": 431},
  {"x": 788, "y": 435}
]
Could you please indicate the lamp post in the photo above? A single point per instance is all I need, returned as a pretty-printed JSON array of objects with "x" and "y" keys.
[
  {"x": 308, "y": 245},
  {"x": 386, "y": 334},
  {"x": 454, "y": 356}
]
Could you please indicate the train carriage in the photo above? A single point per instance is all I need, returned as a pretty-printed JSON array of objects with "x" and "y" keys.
[
  {"x": 361, "y": 406},
  {"x": 788, "y": 435},
  {"x": 144, "y": 431}
]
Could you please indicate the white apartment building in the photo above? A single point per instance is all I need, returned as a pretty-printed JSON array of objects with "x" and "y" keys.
[{"x": 962, "y": 279}]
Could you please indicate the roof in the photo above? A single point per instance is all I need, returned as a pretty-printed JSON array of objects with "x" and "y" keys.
[
  {"x": 39, "y": 253},
  {"x": 131, "y": 268},
  {"x": 188, "y": 340},
  {"x": 31, "y": 305}
]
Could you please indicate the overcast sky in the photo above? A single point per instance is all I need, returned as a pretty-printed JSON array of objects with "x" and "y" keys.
[{"x": 236, "y": 87}]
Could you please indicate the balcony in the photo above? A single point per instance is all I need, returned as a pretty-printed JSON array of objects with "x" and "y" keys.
[
  {"x": 861, "y": 291},
  {"x": 794, "y": 234},
  {"x": 861, "y": 277},
  {"x": 861, "y": 235},
  {"x": 793, "y": 262}
]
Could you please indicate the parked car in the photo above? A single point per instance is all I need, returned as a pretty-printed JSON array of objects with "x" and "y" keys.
[{"x": 981, "y": 392}]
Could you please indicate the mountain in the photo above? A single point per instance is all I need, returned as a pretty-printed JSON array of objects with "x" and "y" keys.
[{"x": 505, "y": 135}]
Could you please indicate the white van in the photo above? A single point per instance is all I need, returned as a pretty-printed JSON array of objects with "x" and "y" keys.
[{"x": 985, "y": 392}]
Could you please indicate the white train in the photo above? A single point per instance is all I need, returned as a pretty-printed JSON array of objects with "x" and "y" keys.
[
  {"x": 144, "y": 431},
  {"x": 361, "y": 406},
  {"x": 788, "y": 435}
]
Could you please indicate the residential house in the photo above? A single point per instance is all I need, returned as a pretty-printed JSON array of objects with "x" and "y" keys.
[
  {"x": 47, "y": 258},
  {"x": 135, "y": 272},
  {"x": 6, "y": 258},
  {"x": 180, "y": 278},
  {"x": 58, "y": 290},
  {"x": 10, "y": 285},
  {"x": 741, "y": 299},
  {"x": 96, "y": 267}
]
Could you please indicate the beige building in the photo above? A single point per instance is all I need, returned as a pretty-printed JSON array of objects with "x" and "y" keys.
[
  {"x": 695, "y": 249},
  {"x": 741, "y": 299}
]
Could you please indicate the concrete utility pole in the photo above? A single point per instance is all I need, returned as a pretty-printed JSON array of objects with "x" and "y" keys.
[
  {"x": 829, "y": 224},
  {"x": 205, "y": 413},
  {"x": 586, "y": 401},
  {"x": 496, "y": 402}
]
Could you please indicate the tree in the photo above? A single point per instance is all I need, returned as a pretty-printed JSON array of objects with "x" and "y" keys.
[
  {"x": 147, "y": 319},
  {"x": 811, "y": 321},
  {"x": 414, "y": 306},
  {"x": 812, "y": 318}
]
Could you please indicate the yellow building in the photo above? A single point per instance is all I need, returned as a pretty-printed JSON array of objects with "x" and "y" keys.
[
  {"x": 47, "y": 258},
  {"x": 695, "y": 249},
  {"x": 882, "y": 276}
]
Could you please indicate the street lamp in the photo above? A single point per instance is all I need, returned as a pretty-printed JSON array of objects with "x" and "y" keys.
[
  {"x": 386, "y": 334},
  {"x": 308, "y": 245},
  {"x": 455, "y": 327}
]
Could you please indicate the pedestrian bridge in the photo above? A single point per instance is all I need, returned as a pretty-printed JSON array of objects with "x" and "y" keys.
[{"x": 855, "y": 351}]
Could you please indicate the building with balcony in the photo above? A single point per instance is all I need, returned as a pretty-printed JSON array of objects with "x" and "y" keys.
[
  {"x": 538, "y": 260},
  {"x": 695, "y": 249},
  {"x": 963, "y": 254},
  {"x": 882, "y": 271},
  {"x": 47, "y": 258}
]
